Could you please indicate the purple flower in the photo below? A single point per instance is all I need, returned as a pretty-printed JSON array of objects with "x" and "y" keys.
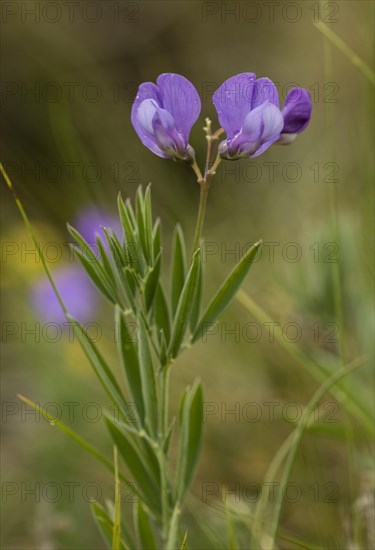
[
  {"x": 163, "y": 115},
  {"x": 76, "y": 290},
  {"x": 248, "y": 110},
  {"x": 90, "y": 221},
  {"x": 297, "y": 113}
]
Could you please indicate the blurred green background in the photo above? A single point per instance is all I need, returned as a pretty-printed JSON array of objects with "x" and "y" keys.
[{"x": 69, "y": 76}]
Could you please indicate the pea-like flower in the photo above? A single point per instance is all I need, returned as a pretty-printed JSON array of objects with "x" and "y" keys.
[
  {"x": 297, "y": 113},
  {"x": 248, "y": 110},
  {"x": 76, "y": 290},
  {"x": 163, "y": 115}
]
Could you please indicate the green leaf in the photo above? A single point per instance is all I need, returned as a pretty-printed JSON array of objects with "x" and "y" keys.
[
  {"x": 226, "y": 292},
  {"x": 120, "y": 259},
  {"x": 148, "y": 383},
  {"x": 135, "y": 462},
  {"x": 162, "y": 313},
  {"x": 130, "y": 239},
  {"x": 95, "y": 274},
  {"x": 191, "y": 436},
  {"x": 168, "y": 437},
  {"x": 178, "y": 267},
  {"x": 156, "y": 237},
  {"x": 104, "y": 280},
  {"x": 125, "y": 221},
  {"x": 130, "y": 363},
  {"x": 197, "y": 300},
  {"x": 148, "y": 224},
  {"x": 143, "y": 528},
  {"x": 105, "y": 524},
  {"x": 98, "y": 363},
  {"x": 116, "y": 531},
  {"x": 185, "y": 305},
  {"x": 152, "y": 282},
  {"x": 147, "y": 448},
  {"x": 141, "y": 225}
]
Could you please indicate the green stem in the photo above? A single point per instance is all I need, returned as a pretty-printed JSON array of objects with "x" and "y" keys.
[
  {"x": 163, "y": 429},
  {"x": 201, "y": 212}
]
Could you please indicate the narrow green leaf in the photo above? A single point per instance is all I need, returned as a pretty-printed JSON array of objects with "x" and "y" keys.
[
  {"x": 141, "y": 225},
  {"x": 116, "y": 530},
  {"x": 226, "y": 292},
  {"x": 121, "y": 261},
  {"x": 129, "y": 359},
  {"x": 163, "y": 349},
  {"x": 125, "y": 220},
  {"x": 156, "y": 237},
  {"x": 96, "y": 276},
  {"x": 148, "y": 224},
  {"x": 104, "y": 258},
  {"x": 136, "y": 464},
  {"x": 98, "y": 363},
  {"x": 143, "y": 528},
  {"x": 168, "y": 437},
  {"x": 197, "y": 300},
  {"x": 130, "y": 239},
  {"x": 147, "y": 447},
  {"x": 147, "y": 378},
  {"x": 191, "y": 436},
  {"x": 162, "y": 313},
  {"x": 105, "y": 524},
  {"x": 178, "y": 269},
  {"x": 152, "y": 282},
  {"x": 184, "y": 307},
  {"x": 68, "y": 431}
]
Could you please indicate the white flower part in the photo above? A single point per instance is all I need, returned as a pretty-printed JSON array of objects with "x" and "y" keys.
[
  {"x": 286, "y": 139},
  {"x": 146, "y": 113}
]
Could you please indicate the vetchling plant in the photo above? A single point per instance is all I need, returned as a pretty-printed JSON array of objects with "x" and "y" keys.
[{"x": 127, "y": 272}]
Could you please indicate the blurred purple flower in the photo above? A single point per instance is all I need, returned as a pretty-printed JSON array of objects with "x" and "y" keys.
[
  {"x": 163, "y": 115},
  {"x": 76, "y": 290},
  {"x": 90, "y": 222},
  {"x": 248, "y": 110}
]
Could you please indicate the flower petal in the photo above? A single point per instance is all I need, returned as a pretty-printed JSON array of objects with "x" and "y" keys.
[
  {"x": 264, "y": 90},
  {"x": 296, "y": 111},
  {"x": 146, "y": 91},
  {"x": 76, "y": 290},
  {"x": 264, "y": 124},
  {"x": 233, "y": 101},
  {"x": 179, "y": 97}
]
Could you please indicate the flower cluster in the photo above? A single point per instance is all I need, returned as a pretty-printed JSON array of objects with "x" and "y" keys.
[{"x": 248, "y": 110}]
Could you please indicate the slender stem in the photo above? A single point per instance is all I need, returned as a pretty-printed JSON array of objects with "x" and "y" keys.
[
  {"x": 33, "y": 237},
  {"x": 197, "y": 171},
  {"x": 201, "y": 213}
]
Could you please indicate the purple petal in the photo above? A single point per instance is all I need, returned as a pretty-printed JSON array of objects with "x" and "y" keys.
[
  {"x": 233, "y": 101},
  {"x": 147, "y": 90},
  {"x": 179, "y": 97},
  {"x": 263, "y": 124},
  {"x": 264, "y": 90},
  {"x": 296, "y": 111},
  {"x": 90, "y": 221},
  {"x": 77, "y": 292}
]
